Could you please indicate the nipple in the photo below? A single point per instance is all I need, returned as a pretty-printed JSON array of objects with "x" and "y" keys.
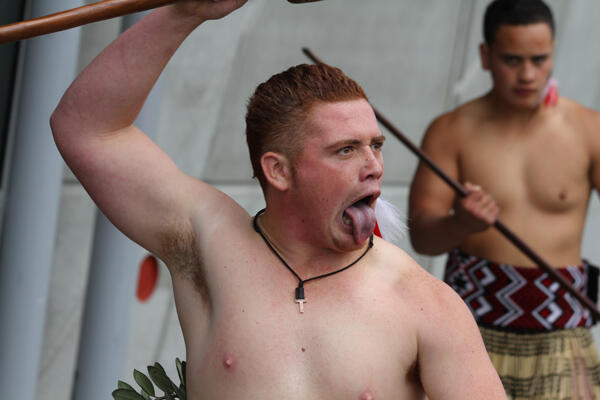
[
  {"x": 368, "y": 395},
  {"x": 229, "y": 362},
  {"x": 562, "y": 195}
]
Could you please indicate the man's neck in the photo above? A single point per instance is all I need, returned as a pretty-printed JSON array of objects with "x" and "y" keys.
[
  {"x": 302, "y": 250},
  {"x": 510, "y": 113}
]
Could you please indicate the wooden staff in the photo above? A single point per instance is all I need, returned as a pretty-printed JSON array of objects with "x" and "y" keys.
[
  {"x": 462, "y": 192},
  {"x": 99, "y": 11},
  {"x": 95, "y": 12}
]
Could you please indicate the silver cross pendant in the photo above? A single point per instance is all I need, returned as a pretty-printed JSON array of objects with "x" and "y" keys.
[
  {"x": 300, "y": 299},
  {"x": 301, "y": 305}
]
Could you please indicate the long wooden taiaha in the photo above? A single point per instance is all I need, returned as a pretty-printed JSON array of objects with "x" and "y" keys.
[{"x": 94, "y": 12}]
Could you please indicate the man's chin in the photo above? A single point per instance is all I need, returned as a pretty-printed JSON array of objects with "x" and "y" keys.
[
  {"x": 528, "y": 104},
  {"x": 348, "y": 243}
]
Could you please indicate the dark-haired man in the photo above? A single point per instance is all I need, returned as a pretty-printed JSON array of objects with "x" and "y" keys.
[
  {"x": 532, "y": 160},
  {"x": 299, "y": 302}
]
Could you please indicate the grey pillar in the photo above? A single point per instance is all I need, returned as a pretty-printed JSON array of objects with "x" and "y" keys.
[
  {"x": 111, "y": 292},
  {"x": 47, "y": 67}
]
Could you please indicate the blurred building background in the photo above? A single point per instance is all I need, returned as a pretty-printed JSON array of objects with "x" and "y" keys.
[{"x": 415, "y": 59}]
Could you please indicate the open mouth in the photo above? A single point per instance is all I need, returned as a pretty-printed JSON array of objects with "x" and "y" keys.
[
  {"x": 364, "y": 202},
  {"x": 360, "y": 217}
]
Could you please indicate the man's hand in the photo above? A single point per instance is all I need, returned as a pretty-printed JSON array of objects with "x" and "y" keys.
[
  {"x": 477, "y": 211},
  {"x": 207, "y": 9}
]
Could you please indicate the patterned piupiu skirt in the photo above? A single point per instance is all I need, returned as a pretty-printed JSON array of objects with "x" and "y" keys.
[{"x": 537, "y": 335}]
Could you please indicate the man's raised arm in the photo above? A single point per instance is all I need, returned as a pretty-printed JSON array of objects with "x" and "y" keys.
[{"x": 132, "y": 181}]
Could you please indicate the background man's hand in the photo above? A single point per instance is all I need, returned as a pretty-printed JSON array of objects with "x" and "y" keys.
[
  {"x": 208, "y": 9},
  {"x": 477, "y": 211}
]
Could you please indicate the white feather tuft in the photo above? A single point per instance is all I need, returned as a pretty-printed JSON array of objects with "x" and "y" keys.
[{"x": 390, "y": 221}]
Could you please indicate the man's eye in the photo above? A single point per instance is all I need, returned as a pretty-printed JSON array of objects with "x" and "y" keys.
[
  {"x": 345, "y": 150},
  {"x": 539, "y": 60},
  {"x": 511, "y": 60},
  {"x": 377, "y": 146}
]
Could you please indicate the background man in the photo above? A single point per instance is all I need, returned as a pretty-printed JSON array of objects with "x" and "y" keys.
[
  {"x": 534, "y": 165},
  {"x": 383, "y": 328}
]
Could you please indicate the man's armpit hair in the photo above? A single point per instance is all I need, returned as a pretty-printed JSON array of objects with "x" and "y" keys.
[{"x": 180, "y": 252}]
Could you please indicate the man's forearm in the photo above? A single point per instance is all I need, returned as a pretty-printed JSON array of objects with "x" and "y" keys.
[{"x": 110, "y": 92}]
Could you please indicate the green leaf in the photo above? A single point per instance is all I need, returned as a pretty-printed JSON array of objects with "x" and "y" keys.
[
  {"x": 183, "y": 371},
  {"x": 145, "y": 395},
  {"x": 126, "y": 394},
  {"x": 160, "y": 378},
  {"x": 180, "y": 370},
  {"x": 180, "y": 392},
  {"x": 183, "y": 381},
  {"x": 125, "y": 385},
  {"x": 144, "y": 382},
  {"x": 160, "y": 368}
]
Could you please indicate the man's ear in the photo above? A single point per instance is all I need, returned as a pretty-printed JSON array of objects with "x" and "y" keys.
[
  {"x": 277, "y": 170},
  {"x": 484, "y": 55}
]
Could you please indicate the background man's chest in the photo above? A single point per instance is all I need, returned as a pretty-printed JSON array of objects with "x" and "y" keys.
[{"x": 546, "y": 169}]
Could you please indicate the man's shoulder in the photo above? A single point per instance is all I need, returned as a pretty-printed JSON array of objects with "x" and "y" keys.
[
  {"x": 398, "y": 267},
  {"x": 459, "y": 121},
  {"x": 583, "y": 121},
  {"x": 578, "y": 112},
  {"x": 433, "y": 302},
  {"x": 438, "y": 304},
  {"x": 409, "y": 276}
]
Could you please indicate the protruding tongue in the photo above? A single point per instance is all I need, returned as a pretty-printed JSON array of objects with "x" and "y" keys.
[{"x": 363, "y": 220}]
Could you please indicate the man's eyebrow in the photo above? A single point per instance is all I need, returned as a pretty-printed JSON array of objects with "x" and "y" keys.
[
  {"x": 511, "y": 55},
  {"x": 521, "y": 57},
  {"x": 349, "y": 142},
  {"x": 342, "y": 143}
]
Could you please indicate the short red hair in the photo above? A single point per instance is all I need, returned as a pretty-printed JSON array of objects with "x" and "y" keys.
[{"x": 279, "y": 107}]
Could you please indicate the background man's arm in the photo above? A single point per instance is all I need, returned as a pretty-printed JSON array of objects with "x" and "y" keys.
[
  {"x": 132, "y": 181},
  {"x": 453, "y": 361},
  {"x": 433, "y": 228},
  {"x": 593, "y": 127}
]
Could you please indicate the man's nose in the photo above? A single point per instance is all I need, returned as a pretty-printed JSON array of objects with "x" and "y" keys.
[
  {"x": 527, "y": 72},
  {"x": 373, "y": 166}
]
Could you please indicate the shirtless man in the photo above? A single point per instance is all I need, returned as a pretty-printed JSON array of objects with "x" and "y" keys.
[
  {"x": 534, "y": 165},
  {"x": 382, "y": 329}
]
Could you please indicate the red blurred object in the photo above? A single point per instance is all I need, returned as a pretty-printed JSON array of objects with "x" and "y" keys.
[
  {"x": 147, "y": 278},
  {"x": 377, "y": 232},
  {"x": 551, "y": 98}
]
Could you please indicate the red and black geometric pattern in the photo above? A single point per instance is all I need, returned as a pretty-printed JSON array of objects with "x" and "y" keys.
[{"x": 517, "y": 298}]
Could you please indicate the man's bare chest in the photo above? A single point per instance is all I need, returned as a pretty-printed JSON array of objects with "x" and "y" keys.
[
  {"x": 547, "y": 170},
  {"x": 271, "y": 359},
  {"x": 342, "y": 346},
  {"x": 354, "y": 338}
]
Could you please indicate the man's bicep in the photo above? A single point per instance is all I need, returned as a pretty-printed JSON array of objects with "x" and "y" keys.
[
  {"x": 453, "y": 360},
  {"x": 428, "y": 192},
  {"x": 134, "y": 183},
  {"x": 592, "y": 127},
  {"x": 595, "y": 169}
]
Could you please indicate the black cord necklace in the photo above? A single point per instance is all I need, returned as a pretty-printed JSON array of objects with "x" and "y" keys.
[{"x": 300, "y": 289}]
